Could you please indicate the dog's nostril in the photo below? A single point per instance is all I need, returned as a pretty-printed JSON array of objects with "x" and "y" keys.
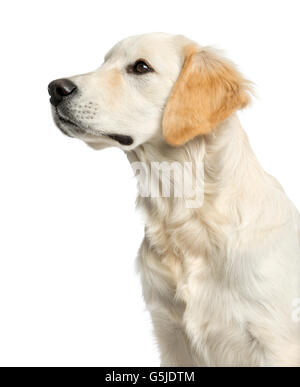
[{"x": 59, "y": 89}]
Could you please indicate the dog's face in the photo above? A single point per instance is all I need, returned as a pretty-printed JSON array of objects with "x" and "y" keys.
[
  {"x": 122, "y": 102},
  {"x": 150, "y": 87}
]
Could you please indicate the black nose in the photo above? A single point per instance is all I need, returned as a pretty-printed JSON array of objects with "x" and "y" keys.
[{"x": 60, "y": 89}]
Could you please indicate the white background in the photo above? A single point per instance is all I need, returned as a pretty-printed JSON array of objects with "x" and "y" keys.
[{"x": 69, "y": 232}]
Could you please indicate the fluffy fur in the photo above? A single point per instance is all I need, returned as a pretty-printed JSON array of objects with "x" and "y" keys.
[{"x": 219, "y": 280}]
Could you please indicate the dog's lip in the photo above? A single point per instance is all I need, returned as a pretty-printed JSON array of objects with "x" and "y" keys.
[
  {"x": 121, "y": 139},
  {"x": 65, "y": 119}
]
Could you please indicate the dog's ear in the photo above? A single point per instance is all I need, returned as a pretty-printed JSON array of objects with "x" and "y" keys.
[{"x": 208, "y": 90}]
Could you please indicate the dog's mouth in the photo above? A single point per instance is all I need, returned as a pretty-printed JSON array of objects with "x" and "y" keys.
[
  {"x": 71, "y": 128},
  {"x": 121, "y": 139},
  {"x": 66, "y": 121},
  {"x": 67, "y": 125}
]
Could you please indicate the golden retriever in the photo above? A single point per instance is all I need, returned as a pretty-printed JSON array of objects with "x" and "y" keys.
[{"x": 220, "y": 274}]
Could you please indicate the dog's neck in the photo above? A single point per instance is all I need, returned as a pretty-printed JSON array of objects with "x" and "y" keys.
[
  {"x": 221, "y": 155},
  {"x": 230, "y": 172}
]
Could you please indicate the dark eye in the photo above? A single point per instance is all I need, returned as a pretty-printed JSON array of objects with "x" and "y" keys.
[{"x": 140, "y": 67}]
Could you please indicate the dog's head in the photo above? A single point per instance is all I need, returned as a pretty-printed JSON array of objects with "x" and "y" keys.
[{"x": 150, "y": 87}]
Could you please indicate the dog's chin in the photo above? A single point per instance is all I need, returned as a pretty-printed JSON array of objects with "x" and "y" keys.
[
  {"x": 63, "y": 127},
  {"x": 98, "y": 145}
]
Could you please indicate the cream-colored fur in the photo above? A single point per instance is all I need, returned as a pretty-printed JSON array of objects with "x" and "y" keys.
[{"x": 219, "y": 280}]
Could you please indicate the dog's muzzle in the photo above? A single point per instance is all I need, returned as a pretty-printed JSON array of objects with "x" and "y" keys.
[{"x": 59, "y": 91}]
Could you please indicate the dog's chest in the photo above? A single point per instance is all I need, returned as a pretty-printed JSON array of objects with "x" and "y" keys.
[{"x": 189, "y": 289}]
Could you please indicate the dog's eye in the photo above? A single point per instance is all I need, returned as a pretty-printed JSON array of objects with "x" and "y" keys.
[{"x": 139, "y": 68}]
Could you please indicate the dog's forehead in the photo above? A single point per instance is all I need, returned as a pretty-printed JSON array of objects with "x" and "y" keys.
[{"x": 155, "y": 46}]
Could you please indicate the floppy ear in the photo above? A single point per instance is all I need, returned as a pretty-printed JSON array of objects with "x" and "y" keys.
[{"x": 208, "y": 90}]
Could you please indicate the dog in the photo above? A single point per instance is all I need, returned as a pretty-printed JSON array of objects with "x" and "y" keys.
[{"x": 221, "y": 278}]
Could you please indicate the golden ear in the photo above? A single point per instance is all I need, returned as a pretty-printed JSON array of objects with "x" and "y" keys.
[{"x": 208, "y": 90}]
